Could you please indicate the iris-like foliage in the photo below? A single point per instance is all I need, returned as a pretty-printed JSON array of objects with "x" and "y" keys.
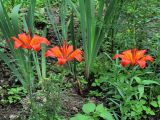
[
  {"x": 10, "y": 26},
  {"x": 94, "y": 24}
]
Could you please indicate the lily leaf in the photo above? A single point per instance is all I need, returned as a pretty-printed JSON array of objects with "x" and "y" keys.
[
  {"x": 81, "y": 117},
  {"x": 141, "y": 90},
  {"x": 148, "y": 82},
  {"x": 154, "y": 104},
  {"x": 88, "y": 108}
]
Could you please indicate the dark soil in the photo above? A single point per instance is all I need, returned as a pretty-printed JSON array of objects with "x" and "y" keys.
[
  {"x": 11, "y": 112},
  {"x": 71, "y": 101}
]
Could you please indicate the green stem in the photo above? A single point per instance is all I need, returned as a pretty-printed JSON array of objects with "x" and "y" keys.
[
  {"x": 30, "y": 84},
  {"x": 87, "y": 72},
  {"x": 36, "y": 61},
  {"x": 74, "y": 44},
  {"x": 43, "y": 63},
  {"x": 31, "y": 100}
]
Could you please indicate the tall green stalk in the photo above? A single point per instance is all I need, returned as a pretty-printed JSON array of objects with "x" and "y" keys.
[
  {"x": 73, "y": 42},
  {"x": 53, "y": 21},
  {"x": 63, "y": 26},
  {"x": 94, "y": 23},
  {"x": 19, "y": 61},
  {"x": 10, "y": 28}
]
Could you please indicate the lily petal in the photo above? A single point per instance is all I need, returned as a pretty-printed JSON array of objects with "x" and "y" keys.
[
  {"x": 129, "y": 55},
  {"x": 24, "y": 38},
  {"x": 17, "y": 43},
  {"x": 66, "y": 49},
  {"x": 117, "y": 56},
  {"x": 140, "y": 54},
  {"x": 36, "y": 47},
  {"x": 69, "y": 50},
  {"x": 38, "y": 40},
  {"x": 45, "y": 41},
  {"x": 150, "y": 58},
  {"x": 62, "y": 61},
  {"x": 125, "y": 62},
  {"x": 55, "y": 51},
  {"x": 126, "y": 52},
  {"x": 76, "y": 54},
  {"x": 142, "y": 63},
  {"x": 49, "y": 53}
]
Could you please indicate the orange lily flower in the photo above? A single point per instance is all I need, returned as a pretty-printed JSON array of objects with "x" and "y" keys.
[
  {"x": 134, "y": 57},
  {"x": 25, "y": 41},
  {"x": 64, "y": 53}
]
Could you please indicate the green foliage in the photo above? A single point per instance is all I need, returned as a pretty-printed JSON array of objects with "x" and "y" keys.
[
  {"x": 138, "y": 25},
  {"x": 93, "y": 112},
  {"x": 88, "y": 108},
  {"x": 47, "y": 101},
  {"x": 93, "y": 27},
  {"x": 63, "y": 25},
  {"x": 128, "y": 91},
  {"x": 14, "y": 94},
  {"x": 21, "y": 62}
]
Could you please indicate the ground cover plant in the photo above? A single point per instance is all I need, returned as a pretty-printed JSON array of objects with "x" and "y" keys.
[{"x": 79, "y": 60}]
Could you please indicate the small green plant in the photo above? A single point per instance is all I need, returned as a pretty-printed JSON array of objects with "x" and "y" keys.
[
  {"x": 128, "y": 92},
  {"x": 93, "y": 112},
  {"x": 14, "y": 94},
  {"x": 156, "y": 102},
  {"x": 48, "y": 99}
]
